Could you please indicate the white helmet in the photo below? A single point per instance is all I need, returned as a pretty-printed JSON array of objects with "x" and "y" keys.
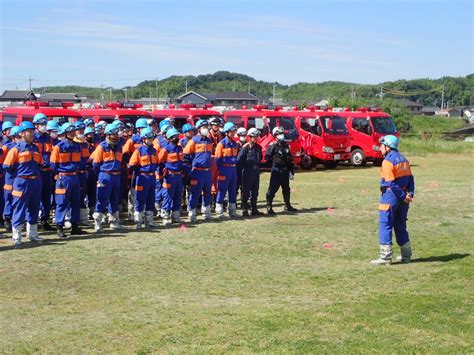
[
  {"x": 278, "y": 130},
  {"x": 253, "y": 132},
  {"x": 241, "y": 131}
]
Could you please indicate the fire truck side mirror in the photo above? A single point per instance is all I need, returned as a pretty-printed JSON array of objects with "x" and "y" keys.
[
  {"x": 369, "y": 130},
  {"x": 319, "y": 131}
]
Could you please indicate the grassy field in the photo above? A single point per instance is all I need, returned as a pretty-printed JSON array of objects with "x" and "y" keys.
[{"x": 289, "y": 283}]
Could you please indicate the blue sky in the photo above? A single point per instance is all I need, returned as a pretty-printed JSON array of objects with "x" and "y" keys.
[{"x": 118, "y": 43}]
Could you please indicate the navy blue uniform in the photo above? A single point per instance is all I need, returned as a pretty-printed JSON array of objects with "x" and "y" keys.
[{"x": 248, "y": 163}]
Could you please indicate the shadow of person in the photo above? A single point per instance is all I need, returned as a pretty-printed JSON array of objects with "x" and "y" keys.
[{"x": 440, "y": 258}]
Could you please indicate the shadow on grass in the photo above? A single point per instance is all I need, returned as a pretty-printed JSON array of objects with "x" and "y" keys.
[{"x": 441, "y": 258}]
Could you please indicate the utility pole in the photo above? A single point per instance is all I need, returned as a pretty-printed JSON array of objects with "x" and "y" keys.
[
  {"x": 156, "y": 89},
  {"x": 381, "y": 93},
  {"x": 125, "y": 94},
  {"x": 249, "y": 88},
  {"x": 150, "y": 97},
  {"x": 110, "y": 94},
  {"x": 101, "y": 91},
  {"x": 30, "y": 80},
  {"x": 442, "y": 96},
  {"x": 186, "y": 86},
  {"x": 273, "y": 101},
  {"x": 353, "y": 94}
]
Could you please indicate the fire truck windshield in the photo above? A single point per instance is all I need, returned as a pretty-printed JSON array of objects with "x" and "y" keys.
[
  {"x": 334, "y": 125},
  {"x": 63, "y": 119},
  {"x": 291, "y": 133},
  {"x": 131, "y": 118},
  {"x": 384, "y": 125}
]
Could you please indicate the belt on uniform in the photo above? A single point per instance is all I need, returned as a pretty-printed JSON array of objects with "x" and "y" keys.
[
  {"x": 72, "y": 173},
  {"x": 385, "y": 188},
  {"x": 174, "y": 172},
  {"x": 82, "y": 171},
  {"x": 46, "y": 169},
  {"x": 146, "y": 173},
  {"x": 202, "y": 169},
  {"x": 228, "y": 165},
  {"x": 112, "y": 172},
  {"x": 28, "y": 177}
]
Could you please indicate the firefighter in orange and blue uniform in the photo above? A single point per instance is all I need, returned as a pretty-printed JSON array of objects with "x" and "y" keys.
[
  {"x": 82, "y": 172},
  {"x": 171, "y": 155},
  {"x": 13, "y": 139},
  {"x": 91, "y": 191},
  {"x": 3, "y": 154},
  {"x": 226, "y": 162},
  {"x": 398, "y": 188},
  {"x": 107, "y": 165},
  {"x": 45, "y": 145},
  {"x": 198, "y": 154},
  {"x": 143, "y": 163},
  {"x": 24, "y": 161},
  {"x": 188, "y": 132},
  {"x": 53, "y": 130},
  {"x": 159, "y": 143},
  {"x": 66, "y": 161}
]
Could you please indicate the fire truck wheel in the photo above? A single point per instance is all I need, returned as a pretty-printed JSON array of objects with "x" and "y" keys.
[
  {"x": 330, "y": 164},
  {"x": 307, "y": 162},
  {"x": 358, "y": 158}
]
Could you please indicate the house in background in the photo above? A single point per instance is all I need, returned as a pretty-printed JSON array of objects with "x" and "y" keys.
[
  {"x": 229, "y": 98},
  {"x": 413, "y": 107},
  {"x": 18, "y": 96}
]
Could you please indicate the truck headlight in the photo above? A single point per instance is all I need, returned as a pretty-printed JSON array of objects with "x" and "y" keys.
[
  {"x": 376, "y": 148},
  {"x": 348, "y": 149},
  {"x": 328, "y": 149}
]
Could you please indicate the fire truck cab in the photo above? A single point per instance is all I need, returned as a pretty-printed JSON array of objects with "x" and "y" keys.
[
  {"x": 265, "y": 121},
  {"x": 185, "y": 113},
  {"x": 58, "y": 111},
  {"x": 324, "y": 138},
  {"x": 366, "y": 126},
  {"x": 127, "y": 112}
]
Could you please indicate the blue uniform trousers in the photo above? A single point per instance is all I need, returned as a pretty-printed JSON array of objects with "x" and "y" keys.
[
  {"x": 46, "y": 192},
  {"x": 145, "y": 192},
  {"x": 67, "y": 196},
  {"x": 26, "y": 198},
  {"x": 91, "y": 190},
  {"x": 393, "y": 214},
  {"x": 108, "y": 193},
  {"x": 201, "y": 182},
  {"x": 83, "y": 188},
  {"x": 173, "y": 190},
  {"x": 250, "y": 184},
  {"x": 227, "y": 183}
]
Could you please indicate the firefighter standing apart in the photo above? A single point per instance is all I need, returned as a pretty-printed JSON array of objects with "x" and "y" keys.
[
  {"x": 398, "y": 187},
  {"x": 282, "y": 170}
]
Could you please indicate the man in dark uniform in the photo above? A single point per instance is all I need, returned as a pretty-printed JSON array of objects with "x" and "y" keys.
[
  {"x": 279, "y": 154},
  {"x": 248, "y": 163}
]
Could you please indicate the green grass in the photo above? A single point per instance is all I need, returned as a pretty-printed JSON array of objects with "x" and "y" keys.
[
  {"x": 271, "y": 284},
  {"x": 429, "y": 146}
]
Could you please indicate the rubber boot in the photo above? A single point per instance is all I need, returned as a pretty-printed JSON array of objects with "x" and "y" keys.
[
  {"x": 84, "y": 217},
  {"x": 46, "y": 226},
  {"x": 405, "y": 250},
  {"x": 32, "y": 233},
  {"x": 219, "y": 210},
  {"x": 245, "y": 209},
  {"x": 115, "y": 221},
  {"x": 98, "y": 219},
  {"x": 232, "y": 209},
  {"x": 385, "y": 256},
  {"x": 149, "y": 219},
  {"x": 270, "y": 210},
  {"x": 255, "y": 211},
  {"x": 288, "y": 206},
  {"x": 75, "y": 230},
  {"x": 192, "y": 215},
  {"x": 8, "y": 224},
  {"x": 60, "y": 232},
  {"x": 17, "y": 235},
  {"x": 138, "y": 217},
  {"x": 166, "y": 218},
  {"x": 175, "y": 216},
  {"x": 207, "y": 213}
]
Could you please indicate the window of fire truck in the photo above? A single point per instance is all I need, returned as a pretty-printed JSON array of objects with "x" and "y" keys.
[
  {"x": 384, "y": 125},
  {"x": 334, "y": 125},
  {"x": 9, "y": 118},
  {"x": 236, "y": 120},
  {"x": 309, "y": 125},
  {"x": 258, "y": 123},
  {"x": 291, "y": 133},
  {"x": 361, "y": 124},
  {"x": 130, "y": 118},
  {"x": 63, "y": 119}
]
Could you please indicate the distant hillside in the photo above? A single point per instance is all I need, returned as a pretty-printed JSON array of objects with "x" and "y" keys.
[{"x": 458, "y": 91}]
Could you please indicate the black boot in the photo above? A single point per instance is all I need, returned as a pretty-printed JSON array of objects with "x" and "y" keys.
[
  {"x": 8, "y": 224},
  {"x": 75, "y": 230},
  {"x": 255, "y": 211},
  {"x": 288, "y": 206},
  {"x": 46, "y": 226},
  {"x": 245, "y": 209},
  {"x": 60, "y": 232},
  {"x": 269, "y": 206}
]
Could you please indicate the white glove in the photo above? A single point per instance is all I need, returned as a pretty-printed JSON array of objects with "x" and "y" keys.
[{"x": 291, "y": 175}]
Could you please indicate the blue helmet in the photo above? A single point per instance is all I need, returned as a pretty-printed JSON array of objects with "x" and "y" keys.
[
  {"x": 7, "y": 125},
  {"x": 111, "y": 129},
  {"x": 66, "y": 127},
  {"x": 147, "y": 133},
  {"x": 14, "y": 131},
  {"x": 390, "y": 141},
  {"x": 89, "y": 130},
  {"x": 164, "y": 123},
  {"x": 187, "y": 127},
  {"x": 171, "y": 133},
  {"x": 141, "y": 123},
  {"x": 88, "y": 121},
  {"x": 79, "y": 125},
  {"x": 229, "y": 126},
  {"x": 52, "y": 125},
  {"x": 201, "y": 123},
  {"x": 40, "y": 118},
  {"x": 119, "y": 124},
  {"x": 24, "y": 126}
]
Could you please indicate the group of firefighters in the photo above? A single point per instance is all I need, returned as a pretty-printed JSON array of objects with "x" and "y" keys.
[{"x": 85, "y": 171}]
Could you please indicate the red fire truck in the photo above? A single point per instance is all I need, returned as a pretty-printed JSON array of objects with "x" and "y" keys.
[
  {"x": 266, "y": 120},
  {"x": 59, "y": 111},
  {"x": 323, "y": 136},
  {"x": 128, "y": 112},
  {"x": 185, "y": 113},
  {"x": 366, "y": 126}
]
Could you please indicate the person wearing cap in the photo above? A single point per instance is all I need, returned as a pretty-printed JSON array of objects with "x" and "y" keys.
[
  {"x": 249, "y": 160},
  {"x": 143, "y": 163},
  {"x": 80, "y": 139},
  {"x": 171, "y": 156},
  {"x": 198, "y": 155},
  {"x": 125, "y": 177},
  {"x": 107, "y": 163},
  {"x": 6, "y": 128},
  {"x": 279, "y": 154},
  {"x": 91, "y": 188},
  {"x": 215, "y": 135},
  {"x": 226, "y": 162},
  {"x": 53, "y": 130},
  {"x": 14, "y": 139},
  {"x": 188, "y": 132},
  {"x": 89, "y": 123},
  {"x": 24, "y": 161},
  {"x": 397, "y": 185},
  {"x": 66, "y": 161},
  {"x": 3, "y": 154},
  {"x": 159, "y": 143},
  {"x": 241, "y": 136}
]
